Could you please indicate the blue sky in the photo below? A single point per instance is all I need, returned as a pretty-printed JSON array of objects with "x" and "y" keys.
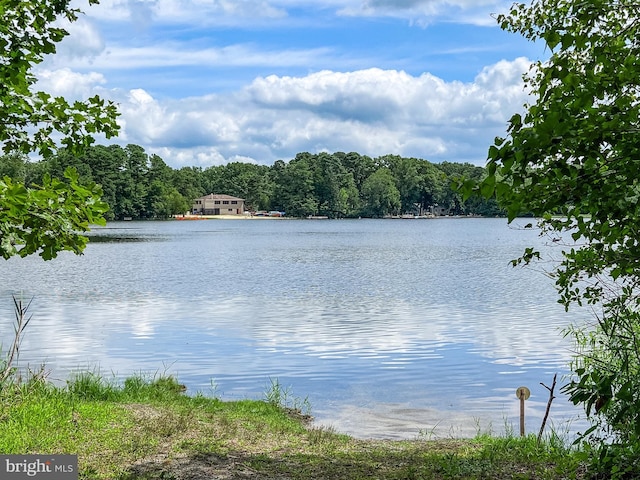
[{"x": 207, "y": 82}]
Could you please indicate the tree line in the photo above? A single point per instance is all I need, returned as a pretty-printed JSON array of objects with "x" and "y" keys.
[{"x": 339, "y": 185}]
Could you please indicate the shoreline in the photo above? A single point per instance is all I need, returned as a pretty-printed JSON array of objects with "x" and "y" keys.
[
  {"x": 148, "y": 428},
  {"x": 190, "y": 217}
]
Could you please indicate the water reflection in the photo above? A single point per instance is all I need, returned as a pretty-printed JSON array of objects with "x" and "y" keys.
[{"x": 389, "y": 328}]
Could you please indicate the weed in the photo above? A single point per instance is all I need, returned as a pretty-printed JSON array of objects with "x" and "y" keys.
[
  {"x": 7, "y": 367},
  {"x": 213, "y": 388},
  {"x": 91, "y": 386},
  {"x": 282, "y": 397},
  {"x": 322, "y": 435},
  {"x": 428, "y": 433},
  {"x": 275, "y": 394}
]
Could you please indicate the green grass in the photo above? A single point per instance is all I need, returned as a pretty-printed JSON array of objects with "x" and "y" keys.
[{"x": 147, "y": 428}]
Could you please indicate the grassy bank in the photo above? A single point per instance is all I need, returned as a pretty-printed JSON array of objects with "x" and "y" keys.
[{"x": 149, "y": 429}]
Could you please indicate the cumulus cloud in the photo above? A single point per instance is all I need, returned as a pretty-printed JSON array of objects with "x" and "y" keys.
[
  {"x": 69, "y": 84},
  {"x": 191, "y": 157},
  {"x": 396, "y": 101},
  {"x": 206, "y": 96},
  {"x": 140, "y": 13},
  {"x": 84, "y": 40},
  {"x": 373, "y": 112},
  {"x": 256, "y": 12},
  {"x": 425, "y": 12},
  {"x": 144, "y": 120}
]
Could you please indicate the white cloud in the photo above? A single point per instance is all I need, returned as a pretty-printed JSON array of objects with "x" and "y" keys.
[
  {"x": 217, "y": 11},
  {"x": 373, "y": 112},
  {"x": 84, "y": 40},
  {"x": 69, "y": 84},
  {"x": 191, "y": 157},
  {"x": 170, "y": 55},
  {"x": 205, "y": 96},
  {"x": 387, "y": 96},
  {"x": 501, "y": 75},
  {"x": 425, "y": 12},
  {"x": 140, "y": 14},
  {"x": 144, "y": 120}
]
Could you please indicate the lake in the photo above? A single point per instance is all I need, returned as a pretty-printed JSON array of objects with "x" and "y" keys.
[{"x": 387, "y": 328}]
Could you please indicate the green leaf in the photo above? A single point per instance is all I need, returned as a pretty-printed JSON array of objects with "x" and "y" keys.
[{"x": 487, "y": 187}]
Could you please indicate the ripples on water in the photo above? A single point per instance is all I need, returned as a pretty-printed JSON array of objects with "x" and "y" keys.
[{"x": 388, "y": 327}]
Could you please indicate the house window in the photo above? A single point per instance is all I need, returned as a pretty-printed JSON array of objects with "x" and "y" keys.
[
  {"x": 225, "y": 202},
  {"x": 234, "y": 202},
  {"x": 217, "y": 202}
]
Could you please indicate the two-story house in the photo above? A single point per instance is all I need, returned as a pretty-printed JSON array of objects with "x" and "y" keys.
[{"x": 214, "y": 204}]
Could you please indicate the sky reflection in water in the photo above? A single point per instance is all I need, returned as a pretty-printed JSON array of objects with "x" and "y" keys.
[{"x": 389, "y": 328}]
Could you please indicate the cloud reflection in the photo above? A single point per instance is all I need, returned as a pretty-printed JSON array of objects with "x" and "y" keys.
[{"x": 437, "y": 332}]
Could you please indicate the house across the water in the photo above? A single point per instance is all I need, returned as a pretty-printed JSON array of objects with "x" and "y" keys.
[{"x": 214, "y": 204}]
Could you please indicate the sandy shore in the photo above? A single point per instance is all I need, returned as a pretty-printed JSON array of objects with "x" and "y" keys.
[{"x": 226, "y": 217}]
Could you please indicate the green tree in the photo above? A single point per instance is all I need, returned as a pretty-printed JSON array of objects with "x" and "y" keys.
[
  {"x": 175, "y": 203},
  {"x": 405, "y": 173},
  {"x": 573, "y": 161},
  {"x": 104, "y": 164},
  {"x": 51, "y": 217},
  {"x": 189, "y": 182},
  {"x": 380, "y": 194},
  {"x": 162, "y": 199},
  {"x": 158, "y": 170},
  {"x": 360, "y": 166},
  {"x": 260, "y": 188},
  {"x": 34, "y": 172},
  {"x": 334, "y": 187},
  {"x": 294, "y": 186},
  {"x": 132, "y": 184},
  {"x": 432, "y": 183},
  {"x": 455, "y": 201},
  {"x": 245, "y": 180},
  {"x": 14, "y": 166}
]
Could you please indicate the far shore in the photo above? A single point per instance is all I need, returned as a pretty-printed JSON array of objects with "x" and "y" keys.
[
  {"x": 312, "y": 217},
  {"x": 226, "y": 217}
]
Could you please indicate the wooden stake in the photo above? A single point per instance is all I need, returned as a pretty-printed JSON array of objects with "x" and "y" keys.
[{"x": 523, "y": 394}]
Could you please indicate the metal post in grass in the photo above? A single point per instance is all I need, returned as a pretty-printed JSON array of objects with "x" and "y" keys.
[{"x": 522, "y": 393}]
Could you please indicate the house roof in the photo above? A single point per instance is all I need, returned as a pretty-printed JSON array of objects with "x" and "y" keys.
[{"x": 215, "y": 196}]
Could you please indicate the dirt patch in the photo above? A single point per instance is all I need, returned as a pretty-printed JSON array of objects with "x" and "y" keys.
[
  {"x": 201, "y": 467},
  {"x": 168, "y": 461}
]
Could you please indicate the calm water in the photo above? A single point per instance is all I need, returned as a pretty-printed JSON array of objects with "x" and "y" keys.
[{"x": 387, "y": 327}]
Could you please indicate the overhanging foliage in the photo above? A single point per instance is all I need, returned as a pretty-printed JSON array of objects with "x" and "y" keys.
[{"x": 573, "y": 160}]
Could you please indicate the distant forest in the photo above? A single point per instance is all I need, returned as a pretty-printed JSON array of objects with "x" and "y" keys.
[{"x": 339, "y": 185}]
